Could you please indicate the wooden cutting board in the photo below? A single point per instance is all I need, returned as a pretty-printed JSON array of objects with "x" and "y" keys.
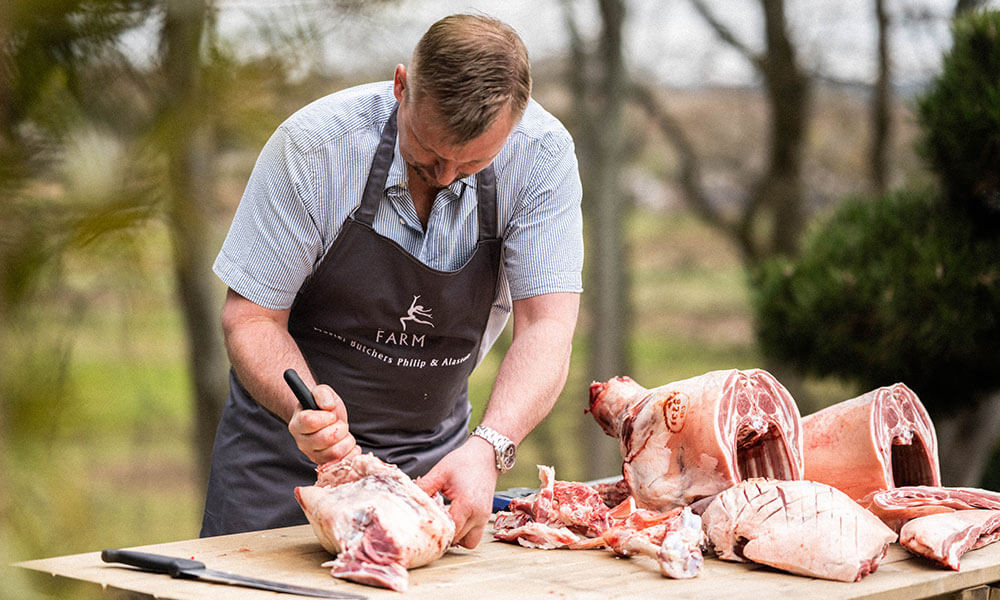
[{"x": 500, "y": 570}]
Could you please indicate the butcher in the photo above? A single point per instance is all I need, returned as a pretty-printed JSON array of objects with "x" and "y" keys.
[{"x": 386, "y": 234}]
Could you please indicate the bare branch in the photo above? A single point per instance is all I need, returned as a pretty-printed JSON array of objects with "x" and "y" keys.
[
  {"x": 725, "y": 34},
  {"x": 690, "y": 177}
]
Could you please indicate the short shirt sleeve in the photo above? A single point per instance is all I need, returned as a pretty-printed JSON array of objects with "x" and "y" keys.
[
  {"x": 274, "y": 240},
  {"x": 543, "y": 247}
]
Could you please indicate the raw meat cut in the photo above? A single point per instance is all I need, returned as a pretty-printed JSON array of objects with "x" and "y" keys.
[
  {"x": 691, "y": 439},
  {"x": 899, "y": 505},
  {"x": 376, "y": 520},
  {"x": 613, "y": 493},
  {"x": 803, "y": 527},
  {"x": 879, "y": 440},
  {"x": 672, "y": 538},
  {"x": 945, "y": 537},
  {"x": 558, "y": 514},
  {"x": 566, "y": 514}
]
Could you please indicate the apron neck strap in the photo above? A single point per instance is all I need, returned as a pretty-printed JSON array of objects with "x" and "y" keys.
[{"x": 375, "y": 186}]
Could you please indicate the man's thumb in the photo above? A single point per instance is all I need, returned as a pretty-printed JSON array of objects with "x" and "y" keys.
[
  {"x": 431, "y": 483},
  {"x": 327, "y": 399}
]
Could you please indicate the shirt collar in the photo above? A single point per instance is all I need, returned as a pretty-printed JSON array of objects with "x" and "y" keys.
[{"x": 397, "y": 175}]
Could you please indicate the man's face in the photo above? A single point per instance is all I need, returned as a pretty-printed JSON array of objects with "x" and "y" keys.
[{"x": 437, "y": 163}]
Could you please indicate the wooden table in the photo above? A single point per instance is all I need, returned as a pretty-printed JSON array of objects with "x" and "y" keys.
[{"x": 500, "y": 570}]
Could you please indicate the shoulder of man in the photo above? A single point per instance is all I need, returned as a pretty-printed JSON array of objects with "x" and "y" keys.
[
  {"x": 359, "y": 109},
  {"x": 540, "y": 126}
]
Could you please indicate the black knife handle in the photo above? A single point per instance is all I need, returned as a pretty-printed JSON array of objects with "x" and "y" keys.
[
  {"x": 175, "y": 567},
  {"x": 301, "y": 391}
]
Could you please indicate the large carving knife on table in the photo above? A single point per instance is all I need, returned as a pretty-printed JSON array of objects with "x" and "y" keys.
[{"x": 182, "y": 568}]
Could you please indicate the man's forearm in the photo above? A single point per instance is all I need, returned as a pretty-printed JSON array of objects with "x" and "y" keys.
[
  {"x": 260, "y": 350},
  {"x": 534, "y": 370}
]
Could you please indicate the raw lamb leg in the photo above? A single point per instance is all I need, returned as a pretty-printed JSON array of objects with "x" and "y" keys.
[
  {"x": 882, "y": 439},
  {"x": 376, "y": 520},
  {"x": 691, "y": 439},
  {"x": 802, "y": 527},
  {"x": 945, "y": 537},
  {"x": 898, "y": 505}
]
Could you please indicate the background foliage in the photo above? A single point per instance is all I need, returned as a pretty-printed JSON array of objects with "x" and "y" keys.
[
  {"x": 96, "y": 410},
  {"x": 894, "y": 288}
]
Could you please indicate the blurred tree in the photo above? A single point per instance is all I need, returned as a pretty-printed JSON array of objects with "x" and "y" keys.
[
  {"x": 66, "y": 71},
  {"x": 186, "y": 137},
  {"x": 598, "y": 81},
  {"x": 881, "y": 117},
  {"x": 770, "y": 220},
  {"x": 960, "y": 119},
  {"x": 906, "y": 287},
  {"x": 772, "y": 217},
  {"x": 962, "y": 6}
]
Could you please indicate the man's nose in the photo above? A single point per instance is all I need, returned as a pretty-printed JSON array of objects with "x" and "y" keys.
[{"x": 445, "y": 171}]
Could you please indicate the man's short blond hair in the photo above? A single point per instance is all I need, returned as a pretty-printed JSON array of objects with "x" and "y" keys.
[{"x": 472, "y": 67}]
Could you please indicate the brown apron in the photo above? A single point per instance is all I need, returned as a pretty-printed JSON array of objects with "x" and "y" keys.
[{"x": 395, "y": 338}]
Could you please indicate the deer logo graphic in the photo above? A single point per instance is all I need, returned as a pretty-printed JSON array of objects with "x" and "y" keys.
[{"x": 416, "y": 313}]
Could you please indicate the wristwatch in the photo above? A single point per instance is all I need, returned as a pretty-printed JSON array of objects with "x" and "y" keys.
[{"x": 504, "y": 449}]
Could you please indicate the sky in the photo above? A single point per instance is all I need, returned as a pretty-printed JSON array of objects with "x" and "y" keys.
[{"x": 666, "y": 40}]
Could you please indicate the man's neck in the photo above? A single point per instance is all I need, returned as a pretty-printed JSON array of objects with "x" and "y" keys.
[{"x": 423, "y": 195}]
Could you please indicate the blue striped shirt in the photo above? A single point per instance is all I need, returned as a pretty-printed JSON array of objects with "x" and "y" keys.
[{"x": 310, "y": 176}]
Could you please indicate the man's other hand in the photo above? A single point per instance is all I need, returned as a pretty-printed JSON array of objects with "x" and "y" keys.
[{"x": 468, "y": 477}]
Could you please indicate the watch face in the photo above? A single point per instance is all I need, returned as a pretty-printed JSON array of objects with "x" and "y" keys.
[{"x": 507, "y": 457}]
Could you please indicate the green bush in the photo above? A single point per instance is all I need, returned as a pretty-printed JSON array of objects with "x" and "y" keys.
[
  {"x": 889, "y": 289},
  {"x": 960, "y": 118}
]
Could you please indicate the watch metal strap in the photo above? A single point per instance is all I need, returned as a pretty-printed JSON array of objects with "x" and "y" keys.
[{"x": 496, "y": 439}]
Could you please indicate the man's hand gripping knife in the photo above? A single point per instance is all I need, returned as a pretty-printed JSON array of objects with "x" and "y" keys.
[{"x": 322, "y": 435}]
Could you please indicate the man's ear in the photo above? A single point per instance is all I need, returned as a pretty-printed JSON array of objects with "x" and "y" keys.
[{"x": 399, "y": 82}]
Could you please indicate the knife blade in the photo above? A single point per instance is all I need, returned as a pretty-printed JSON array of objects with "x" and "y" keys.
[{"x": 182, "y": 568}]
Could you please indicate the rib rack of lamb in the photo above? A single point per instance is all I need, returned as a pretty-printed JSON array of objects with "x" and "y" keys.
[
  {"x": 376, "y": 520},
  {"x": 879, "y": 440},
  {"x": 691, "y": 439}
]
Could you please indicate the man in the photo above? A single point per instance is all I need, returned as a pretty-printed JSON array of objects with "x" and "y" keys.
[{"x": 384, "y": 266}]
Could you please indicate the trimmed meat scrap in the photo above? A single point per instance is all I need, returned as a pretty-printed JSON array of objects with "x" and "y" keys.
[
  {"x": 560, "y": 513},
  {"x": 565, "y": 514},
  {"x": 802, "y": 527},
  {"x": 879, "y": 440},
  {"x": 898, "y": 505},
  {"x": 691, "y": 439},
  {"x": 945, "y": 537},
  {"x": 672, "y": 538},
  {"x": 376, "y": 520}
]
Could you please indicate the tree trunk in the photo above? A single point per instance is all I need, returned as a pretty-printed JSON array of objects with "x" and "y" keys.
[
  {"x": 599, "y": 97},
  {"x": 189, "y": 147},
  {"x": 787, "y": 87},
  {"x": 966, "y": 442},
  {"x": 881, "y": 95}
]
